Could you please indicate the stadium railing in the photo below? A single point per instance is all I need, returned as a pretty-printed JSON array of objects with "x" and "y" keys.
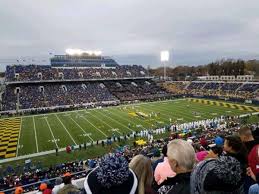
[{"x": 77, "y": 182}]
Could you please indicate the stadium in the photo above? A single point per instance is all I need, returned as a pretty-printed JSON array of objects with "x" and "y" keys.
[
  {"x": 129, "y": 97},
  {"x": 89, "y": 101}
]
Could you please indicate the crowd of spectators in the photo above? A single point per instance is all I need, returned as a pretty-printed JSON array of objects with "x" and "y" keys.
[
  {"x": 40, "y": 72},
  {"x": 136, "y": 90},
  {"x": 245, "y": 91},
  {"x": 30, "y": 96},
  {"x": 55, "y": 94},
  {"x": 221, "y": 158}
]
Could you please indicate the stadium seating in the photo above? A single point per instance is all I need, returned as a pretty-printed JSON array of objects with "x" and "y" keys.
[
  {"x": 231, "y": 86},
  {"x": 37, "y": 72},
  {"x": 235, "y": 90},
  {"x": 200, "y": 146},
  {"x": 136, "y": 90},
  {"x": 213, "y": 86},
  {"x": 44, "y": 86}
]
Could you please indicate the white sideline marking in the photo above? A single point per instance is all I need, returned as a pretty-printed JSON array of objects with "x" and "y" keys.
[
  {"x": 105, "y": 123},
  {"x": 117, "y": 122},
  {"x": 18, "y": 143},
  {"x": 66, "y": 130},
  {"x": 95, "y": 126},
  {"x": 51, "y": 132},
  {"x": 81, "y": 128},
  {"x": 36, "y": 140}
]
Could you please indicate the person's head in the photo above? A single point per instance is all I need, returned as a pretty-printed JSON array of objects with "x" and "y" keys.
[
  {"x": 43, "y": 186},
  {"x": 245, "y": 134},
  {"x": 216, "y": 150},
  {"x": 234, "y": 145},
  {"x": 58, "y": 181},
  {"x": 181, "y": 156},
  {"x": 112, "y": 175},
  {"x": 18, "y": 190},
  {"x": 142, "y": 167},
  {"x": 227, "y": 169},
  {"x": 219, "y": 141},
  {"x": 67, "y": 178}
]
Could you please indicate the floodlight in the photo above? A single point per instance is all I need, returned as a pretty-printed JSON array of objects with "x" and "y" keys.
[{"x": 164, "y": 56}]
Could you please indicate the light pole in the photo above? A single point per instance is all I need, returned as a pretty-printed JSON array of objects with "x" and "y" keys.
[{"x": 164, "y": 57}]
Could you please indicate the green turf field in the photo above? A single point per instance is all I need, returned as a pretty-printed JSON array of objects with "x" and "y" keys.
[{"x": 57, "y": 130}]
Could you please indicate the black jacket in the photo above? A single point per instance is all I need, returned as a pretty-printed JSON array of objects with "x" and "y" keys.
[{"x": 180, "y": 184}]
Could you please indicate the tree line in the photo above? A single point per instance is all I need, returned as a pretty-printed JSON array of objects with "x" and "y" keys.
[{"x": 222, "y": 67}]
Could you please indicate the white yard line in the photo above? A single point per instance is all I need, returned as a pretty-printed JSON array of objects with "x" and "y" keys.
[
  {"x": 36, "y": 140},
  {"x": 18, "y": 143},
  {"x": 94, "y": 126},
  {"x": 66, "y": 130},
  {"x": 117, "y": 122},
  {"x": 51, "y": 132},
  {"x": 80, "y": 127},
  {"x": 105, "y": 123}
]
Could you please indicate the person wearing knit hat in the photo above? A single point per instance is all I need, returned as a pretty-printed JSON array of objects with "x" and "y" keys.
[
  {"x": 222, "y": 175},
  {"x": 18, "y": 190},
  {"x": 111, "y": 176}
]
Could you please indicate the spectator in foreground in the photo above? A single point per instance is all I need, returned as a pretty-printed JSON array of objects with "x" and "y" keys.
[
  {"x": 18, "y": 190},
  {"x": 58, "y": 185},
  {"x": 68, "y": 186},
  {"x": 48, "y": 190},
  {"x": 252, "y": 145},
  {"x": 42, "y": 188},
  {"x": 254, "y": 189},
  {"x": 112, "y": 176},
  {"x": 181, "y": 157},
  {"x": 234, "y": 147},
  {"x": 141, "y": 166},
  {"x": 163, "y": 169},
  {"x": 217, "y": 176},
  {"x": 247, "y": 138}
]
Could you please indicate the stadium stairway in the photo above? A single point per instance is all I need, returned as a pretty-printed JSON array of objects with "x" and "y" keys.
[{"x": 240, "y": 87}]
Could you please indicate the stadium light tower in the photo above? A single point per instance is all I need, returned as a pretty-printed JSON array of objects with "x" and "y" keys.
[{"x": 164, "y": 58}]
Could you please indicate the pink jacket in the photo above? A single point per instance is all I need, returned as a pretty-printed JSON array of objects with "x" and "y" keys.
[{"x": 162, "y": 171}]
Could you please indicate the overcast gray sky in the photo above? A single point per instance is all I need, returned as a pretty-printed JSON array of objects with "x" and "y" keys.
[{"x": 132, "y": 31}]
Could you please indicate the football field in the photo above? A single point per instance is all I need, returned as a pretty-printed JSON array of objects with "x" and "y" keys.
[{"x": 31, "y": 134}]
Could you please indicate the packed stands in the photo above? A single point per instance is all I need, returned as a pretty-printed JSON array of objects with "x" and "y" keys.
[
  {"x": 38, "y": 86},
  {"x": 136, "y": 90},
  {"x": 175, "y": 87},
  {"x": 39, "y": 72},
  {"x": 249, "y": 87},
  {"x": 196, "y": 85},
  {"x": 231, "y": 86},
  {"x": 213, "y": 86},
  {"x": 215, "y": 89},
  {"x": 55, "y": 94},
  {"x": 187, "y": 146}
]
